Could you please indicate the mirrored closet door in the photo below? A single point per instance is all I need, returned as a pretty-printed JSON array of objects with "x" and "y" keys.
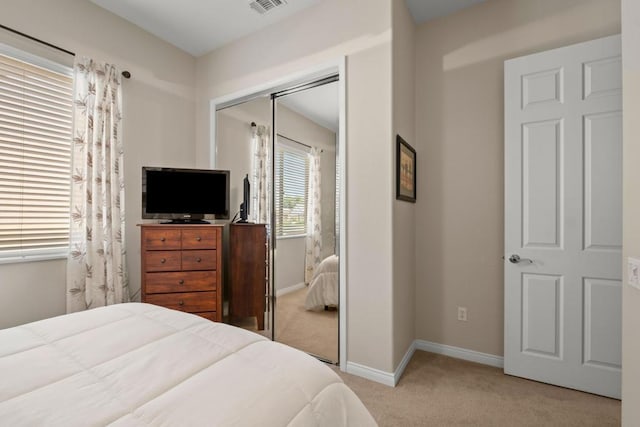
[
  {"x": 285, "y": 145},
  {"x": 244, "y": 147},
  {"x": 306, "y": 262}
]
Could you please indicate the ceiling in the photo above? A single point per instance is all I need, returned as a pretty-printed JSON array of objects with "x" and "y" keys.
[
  {"x": 200, "y": 26},
  {"x": 319, "y": 104}
]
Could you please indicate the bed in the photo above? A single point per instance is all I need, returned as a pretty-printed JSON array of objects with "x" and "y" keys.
[
  {"x": 143, "y": 365},
  {"x": 323, "y": 288}
]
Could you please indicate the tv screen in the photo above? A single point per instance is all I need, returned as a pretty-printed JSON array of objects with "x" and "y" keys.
[
  {"x": 184, "y": 194},
  {"x": 245, "y": 206}
]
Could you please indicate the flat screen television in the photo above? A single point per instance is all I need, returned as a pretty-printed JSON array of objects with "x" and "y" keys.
[
  {"x": 185, "y": 195},
  {"x": 245, "y": 206}
]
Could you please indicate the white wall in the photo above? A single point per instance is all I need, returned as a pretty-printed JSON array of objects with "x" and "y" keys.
[
  {"x": 158, "y": 128},
  {"x": 404, "y": 220},
  {"x": 234, "y": 153},
  {"x": 631, "y": 210},
  {"x": 459, "y": 118},
  {"x": 289, "y": 262},
  {"x": 31, "y": 291},
  {"x": 359, "y": 30}
]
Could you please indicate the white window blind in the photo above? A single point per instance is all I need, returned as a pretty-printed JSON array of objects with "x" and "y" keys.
[
  {"x": 35, "y": 158},
  {"x": 291, "y": 187}
]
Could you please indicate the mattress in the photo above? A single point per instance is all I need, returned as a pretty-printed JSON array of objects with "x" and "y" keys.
[
  {"x": 323, "y": 288},
  {"x": 142, "y": 365}
]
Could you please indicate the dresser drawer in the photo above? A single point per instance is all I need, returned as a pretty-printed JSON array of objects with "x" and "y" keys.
[
  {"x": 199, "y": 260},
  {"x": 161, "y": 239},
  {"x": 191, "y": 302},
  {"x": 163, "y": 261},
  {"x": 199, "y": 238},
  {"x": 188, "y": 281},
  {"x": 180, "y": 268},
  {"x": 210, "y": 315}
]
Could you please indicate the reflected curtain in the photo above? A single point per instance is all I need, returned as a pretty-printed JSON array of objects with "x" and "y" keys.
[
  {"x": 260, "y": 179},
  {"x": 313, "y": 243},
  {"x": 96, "y": 268}
]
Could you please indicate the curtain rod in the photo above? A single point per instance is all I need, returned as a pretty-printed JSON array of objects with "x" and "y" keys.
[
  {"x": 297, "y": 142},
  {"x": 253, "y": 124},
  {"x": 20, "y": 33},
  {"x": 125, "y": 73}
]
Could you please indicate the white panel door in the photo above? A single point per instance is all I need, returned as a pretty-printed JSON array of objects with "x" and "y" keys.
[{"x": 563, "y": 216}]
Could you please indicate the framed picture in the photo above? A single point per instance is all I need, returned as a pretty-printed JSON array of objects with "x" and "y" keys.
[{"x": 405, "y": 171}]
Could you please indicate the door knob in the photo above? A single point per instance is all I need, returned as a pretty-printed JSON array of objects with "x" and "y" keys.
[{"x": 515, "y": 259}]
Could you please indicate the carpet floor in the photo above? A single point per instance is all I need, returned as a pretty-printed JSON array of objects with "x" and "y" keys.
[
  {"x": 314, "y": 332},
  {"x": 437, "y": 390}
]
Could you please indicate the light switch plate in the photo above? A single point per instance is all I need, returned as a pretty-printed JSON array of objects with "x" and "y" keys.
[{"x": 633, "y": 272}]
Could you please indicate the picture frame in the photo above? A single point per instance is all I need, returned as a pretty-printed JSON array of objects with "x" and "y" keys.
[{"x": 405, "y": 171}]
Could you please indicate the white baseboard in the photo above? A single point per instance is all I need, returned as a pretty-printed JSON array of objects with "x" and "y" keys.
[
  {"x": 382, "y": 377},
  {"x": 404, "y": 362},
  {"x": 372, "y": 374},
  {"x": 460, "y": 353},
  {"x": 392, "y": 378},
  {"x": 288, "y": 290}
]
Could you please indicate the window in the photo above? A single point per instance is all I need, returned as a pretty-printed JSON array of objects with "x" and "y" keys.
[
  {"x": 36, "y": 97},
  {"x": 292, "y": 176}
]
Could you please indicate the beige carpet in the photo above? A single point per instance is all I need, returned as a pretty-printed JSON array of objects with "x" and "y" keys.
[
  {"x": 440, "y": 391},
  {"x": 315, "y": 332}
]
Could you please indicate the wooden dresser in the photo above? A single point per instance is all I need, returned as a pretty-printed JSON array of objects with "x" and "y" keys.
[
  {"x": 182, "y": 268},
  {"x": 248, "y": 271}
]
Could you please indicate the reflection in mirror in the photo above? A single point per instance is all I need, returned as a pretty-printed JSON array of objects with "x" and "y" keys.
[
  {"x": 305, "y": 210},
  {"x": 239, "y": 146},
  {"x": 294, "y": 183}
]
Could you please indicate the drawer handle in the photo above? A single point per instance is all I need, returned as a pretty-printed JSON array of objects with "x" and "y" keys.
[
  {"x": 163, "y": 260},
  {"x": 198, "y": 238},
  {"x": 198, "y": 259},
  {"x": 162, "y": 239},
  {"x": 180, "y": 303},
  {"x": 181, "y": 282}
]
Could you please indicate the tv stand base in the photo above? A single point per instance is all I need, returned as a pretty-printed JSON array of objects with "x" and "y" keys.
[{"x": 186, "y": 221}]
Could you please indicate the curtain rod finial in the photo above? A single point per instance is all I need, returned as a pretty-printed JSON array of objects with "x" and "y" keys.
[
  {"x": 253, "y": 124},
  {"x": 126, "y": 74}
]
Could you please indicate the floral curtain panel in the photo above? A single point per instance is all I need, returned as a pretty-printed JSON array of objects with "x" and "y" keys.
[
  {"x": 313, "y": 242},
  {"x": 261, "y": 176},
  {"x": 96, "y": 269}
]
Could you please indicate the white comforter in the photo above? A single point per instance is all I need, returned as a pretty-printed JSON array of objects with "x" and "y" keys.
[
  {"x": 323, "y": 288},
  {"x": 142, "y": 365}
]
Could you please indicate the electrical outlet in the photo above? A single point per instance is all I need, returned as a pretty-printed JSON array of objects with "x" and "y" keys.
[{"x": 462, "y": 314}]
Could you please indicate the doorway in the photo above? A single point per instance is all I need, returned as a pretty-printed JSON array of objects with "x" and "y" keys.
[{"x": 290, "y": 140}]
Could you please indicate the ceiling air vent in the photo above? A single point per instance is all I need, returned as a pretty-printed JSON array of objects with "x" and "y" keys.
[{"x": 264, "y": 6}]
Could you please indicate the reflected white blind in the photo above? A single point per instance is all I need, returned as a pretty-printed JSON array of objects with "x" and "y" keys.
[
  {"x": 291, "y": 188},
  {"x": 35, "y": 158}
]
